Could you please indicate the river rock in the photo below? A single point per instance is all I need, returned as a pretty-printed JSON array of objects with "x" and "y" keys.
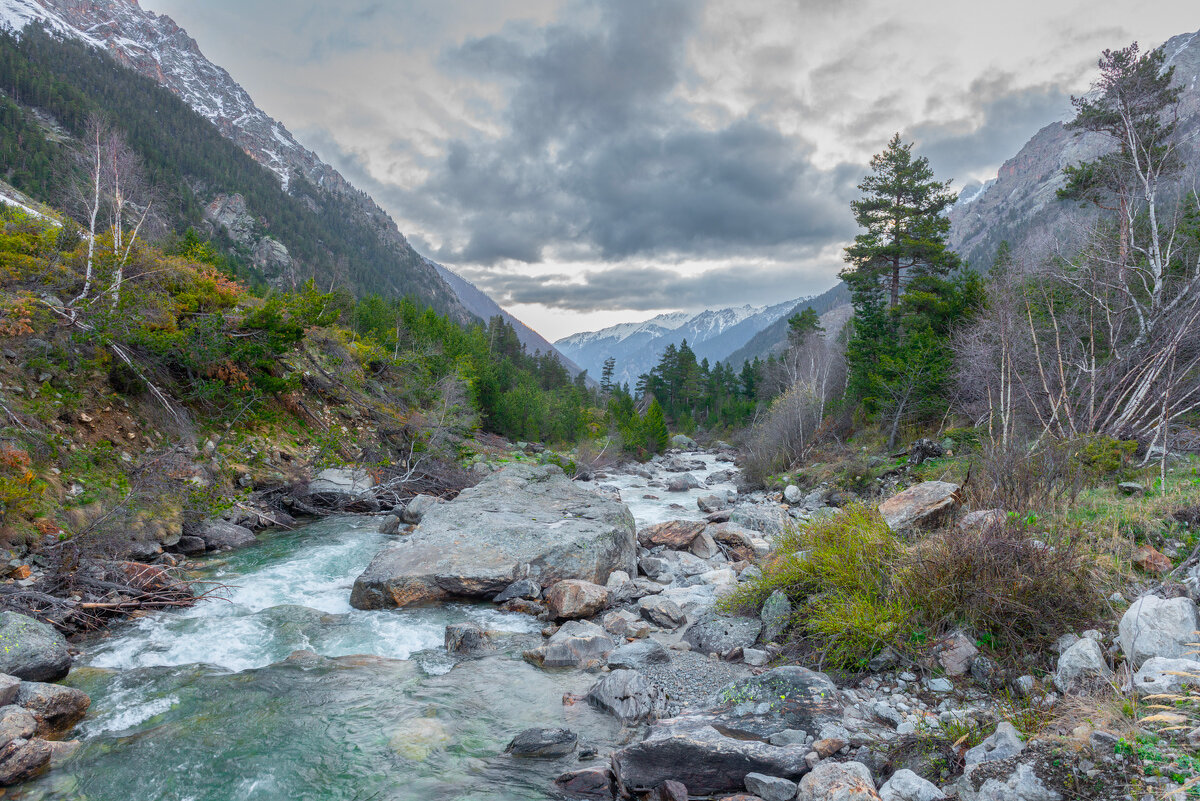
[
  {"x": 21, "y": 760},
  {"x": 467, "y": 638},
  {"x": 32, "y": 650},
  {"x": 662, "y": 611},
  {"x": 16, "y": 722},
  {"x": 542, "y": 743},
  {"x": 767, "y": 519},
  {"x": 683, "y": 442},
  {"x": 628, "y": 696},
  {"x": 55, "y": 708},
  {"x": 576, "y": 643},
  {"x": 770, "y": 788},
  {"x": 639, "y": 654},
  {"x": 1161, "y": 676},
  {"x": 922, "y": 507},
  {"x": 720, "y": 477},
  {"x": 705, "y": 547},
  {"x": 678, "y": 464},
  {"x": 683, "y": 483},
  {"x": 416, "y": 509},
  {"x": 596, "y": 783},
  {"x": 526, "y": 589},
  {"x": 706, "y": 761},
  {"x": 838, "y": 781},
  {"x": 904, "y": 785},
  {"x": 785, "y": 698},
  {"x": 1154, "y": 626},
  {"x": 572, "y": 599},
  {"x": 390, "y": 525},
  {"x": 526, "y": 521},
  {"x": 675, "y": 534},
  {"x": 221, "y": 534},
  {"x": 716, "y": 633},
  {"x": 1082, "y": 668},
  {"x": 712, "y": 503}
]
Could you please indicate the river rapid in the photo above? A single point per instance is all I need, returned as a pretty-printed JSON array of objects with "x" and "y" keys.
[{"x": 274, "y": 688}]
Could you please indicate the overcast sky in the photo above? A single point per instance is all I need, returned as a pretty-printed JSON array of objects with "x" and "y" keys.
[{"x": 588, "y": 162}]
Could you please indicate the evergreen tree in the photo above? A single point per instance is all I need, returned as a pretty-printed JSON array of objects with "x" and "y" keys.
[
  {"x": 606, "y": 375},
  {"x": 654, "y": 427}
]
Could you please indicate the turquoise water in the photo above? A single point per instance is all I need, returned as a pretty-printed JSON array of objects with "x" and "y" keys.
[{"x": 277, "y": 689}]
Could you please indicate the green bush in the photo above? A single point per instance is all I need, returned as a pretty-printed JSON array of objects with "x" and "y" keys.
[{"x": 1104, "y": 456}]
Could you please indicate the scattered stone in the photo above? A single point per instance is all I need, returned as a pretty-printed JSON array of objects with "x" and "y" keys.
[
  {"x": 628, "y": 696},
  {"x": 683, "y": 483},
  {"x": 220, "y": 534},
  {"x": 573, "y": 598},
  {"x": 1151, "y": 560},
  {"x": 712, "y": 503},
  {"x": 670, "y": 790},
  {"x": 981, "y": 519},
  {"x": 770, "y": 788},
  {"x": 467, "y": 638},
  {"x": 954, "y": 653},
  {"x": 32, "y": 650},
  {"x": 755, "y": 657},
  {"x": 793, "y": 494},
  {"x": 1004, "y": 743},
  {"x": 21, "y": 760},
  {"x": 922, "y": 507},
  {"x": 904, "y": 785},
  {"x": 16, "y": 722},
  {"x": 828, "y": 747},
  {"x": 1022, "y": 784},
  {"x": 1162, "y": 676},
  {"x": 637, "y": 655},
  {"x": 390, "y": 525},
  {"x": 838, "y": 781},
  {"x": 1082, "y": 669},
  {"x": 704, "y": 546},
  {"x": 542, "y": 743},
  {"x": 766, "y": 519},
  {"x": 1130, "y": 488},
  {"x": 715, "y": 633},
  {"x": 940, "y": 685},
  {"x": 526, "y": 521},
  {"x": 525, "y": 588},
  {"x": 1154, "y": 626}
]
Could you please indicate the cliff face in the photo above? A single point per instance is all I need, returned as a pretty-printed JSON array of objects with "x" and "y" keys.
[{"x": 1020, "y": 205}]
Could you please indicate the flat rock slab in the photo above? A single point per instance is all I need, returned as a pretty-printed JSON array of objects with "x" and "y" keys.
[
  {"x": 526, "y": 521},
  {"x": 924, "y": 506},
  {"x": 786, "y": 698}
]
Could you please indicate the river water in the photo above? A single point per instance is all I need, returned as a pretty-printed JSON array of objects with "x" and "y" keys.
[{"x": 274, "y": 688}]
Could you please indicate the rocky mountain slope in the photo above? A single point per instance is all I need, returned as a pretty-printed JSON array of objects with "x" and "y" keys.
[
  {"x": 833, "y": 306},
  {"x": 713, "y": 334},
  {"x": 1020, "y": 205}
]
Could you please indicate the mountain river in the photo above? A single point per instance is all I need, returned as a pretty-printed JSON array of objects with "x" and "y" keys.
[{"x": 274, "y": 688}]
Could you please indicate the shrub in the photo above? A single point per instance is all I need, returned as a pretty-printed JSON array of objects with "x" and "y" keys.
[
  {"x": 1102, "y": 455},
  {"x": 1019, "y": 477},
  {"x": 999, "y": 581}
]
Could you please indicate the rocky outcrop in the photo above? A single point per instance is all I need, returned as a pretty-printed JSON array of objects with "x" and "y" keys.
[
  {"x": 576, "y": 644},
  {"x": 926, "y": 506},
  {"x": 526, "y": 521},
  {"x": 32, "y": 650}
]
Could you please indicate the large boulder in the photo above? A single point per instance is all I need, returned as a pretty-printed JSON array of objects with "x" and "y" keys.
[
  {"x": 572, "y": 599},
  {"x": 595, "y": 783},
  {"x": 924, "y": 506},
  {"x": 716, "y": 633},
  {"x": 21, "y": 760},
  {"x": 526, "y": 521},
  {"x": 542, "y": 743},
  {"x": 32, "y": 650},
  {"x": 776, "y": 616},
  {"x": 1161, "y": 676},
  {"x": 838, "y": 781},
  {"x": 628, "y": 696},
  {"x": 467, "y": 638},
  {"x": 784, "y": 699},
  {"x": 908, "y": 786},
  {"x": 219, "y": 535},
  {"x": 1155, "y": 626},
  {"x": 415, "y": 509},
  {"x": 662, "y": 611},
  {"x": 1005, "y": 742},
  {"x": 674, "y": 534},
  {"x": 702, "y": 758},
  {"x": 341, "y": 481},
  {"x": 1082, "y": 669},
  {"x": 55, "y": 708},
  {"x": 766, "y": 518},
  {"x": 683, "y": 483},
  {"x": 639, "y": 654}
]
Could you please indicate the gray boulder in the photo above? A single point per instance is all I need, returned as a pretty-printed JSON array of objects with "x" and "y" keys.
[
  {"x": 683, "y": 483},
  {"x": 770, "y": 788},
  {"x": 55, "y": 708},
  {"x": 595, "y": 783},
  {"x": 1022, "y": 784},
  {"x": 1154, "y": 626},
  {"x": 838, "y": 781},
  {"x": 789, "y": 698},
  {"x": 1161, "y": 676},
  {"x": 776, "y": 616},
  {"x": 525, "y": 589},
  {"x": 767, "y": 519},
  {"x": 33, "y": 650},
  {"x": 9, "y": 687},
  {"x": 683, "y": 442},
  {"x": 712, "y": 503},
  {"x": 418, "y": 507},
  {"x": 715, "y": 633},
  {"x": 1004, "y": 743},
  {"x": 924, "y": 506},
  {"x": 628, "y": 696},
  {"x": 662, "y": 611},
  {"x": 1082, "y": 669},
  {"x": 706, "y": 761},
  {"x": 793, "y": 494},
  {"x": 341, "y": 481},
  {"x": 526, "y": 521},
  {"x": 467, "y": 638},
  {"x": 16, "y": 722},
  {"x": 908, "y": 786},
  {"x": 639, "y": 654},
  {"x": 221, "y": 534},
  {"x": 575, "y": 644},
  {"x": 542, "y": 743}
]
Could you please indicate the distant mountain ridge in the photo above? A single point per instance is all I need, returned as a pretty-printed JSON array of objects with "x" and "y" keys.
[
  {"x": 637, "y": 347},
  {"x": 1021, "y": 206},
  {"x": 832, "y": 305}
]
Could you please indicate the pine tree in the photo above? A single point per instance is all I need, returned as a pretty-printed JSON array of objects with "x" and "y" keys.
[
  {"x": 606, "y": 375},
  {"x": 655, "y": 428}
]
